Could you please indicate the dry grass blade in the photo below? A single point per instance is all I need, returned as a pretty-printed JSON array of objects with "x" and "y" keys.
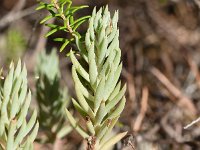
[
  {"x": 192, "y": 123},
  {"x": 144, "y": 104},
  {"x": 183, "y": 101}
]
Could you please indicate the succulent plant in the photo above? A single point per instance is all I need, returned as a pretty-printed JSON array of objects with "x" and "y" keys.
[
  {"x": 51, "y": 97},
  {"x": 96, "y": 72},
  {"x": 16, "y": 131}
]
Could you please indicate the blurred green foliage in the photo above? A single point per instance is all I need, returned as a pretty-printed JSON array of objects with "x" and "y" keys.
[
  {"x": 16, "y": 132},
  {"x": 51, "y": 97},
  {"x": 163, "y": 1},
  {"x": 15, "y": 44}
]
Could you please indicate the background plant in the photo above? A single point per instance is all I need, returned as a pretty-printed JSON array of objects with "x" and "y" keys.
[
  {"x": 64, "y": 11},
  {"x": 100, "y": 98},
  {"x": 51, "y": 97},
  {"x": 16, "y": 132},
  {"x": 12, "y": 45},
  {"x": 16, "y": 44}
]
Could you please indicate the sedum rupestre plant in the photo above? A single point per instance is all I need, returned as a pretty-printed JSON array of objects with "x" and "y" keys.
[
  {"x": 16, "y": 132},
  {"x": 96, "y": 70},
  {"x": 51, "y": 97},
  {"x": 100, "y": 97}
]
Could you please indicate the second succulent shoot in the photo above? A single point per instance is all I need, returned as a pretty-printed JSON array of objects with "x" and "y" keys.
[
  {"x": 16, "y": 133},
  {"x": 51, "y": 97},
  {"x": 100, "y": 97}
]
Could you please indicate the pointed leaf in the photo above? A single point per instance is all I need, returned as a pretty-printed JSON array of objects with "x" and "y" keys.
[
  {"x": 111, "y": 142},
  {"x": 75, "y": 125},
  {"x": 119, "y": 109}
]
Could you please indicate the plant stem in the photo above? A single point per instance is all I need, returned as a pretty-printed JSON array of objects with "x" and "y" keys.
[{"x": 63, "y": 17}]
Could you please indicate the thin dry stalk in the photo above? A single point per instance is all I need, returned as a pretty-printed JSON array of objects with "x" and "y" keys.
[
  {"x": 194, "y": 69},
  {"x": 144, "y": 104},
  {"x": 130, "y": 83},
  {"x": 183, "y": 101},
  {"x": 16, "y": 13},
  {"x": 192, "y": 123}
]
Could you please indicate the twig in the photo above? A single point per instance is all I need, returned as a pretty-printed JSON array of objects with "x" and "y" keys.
[
  {"x": 194, "y": 69},
  {"x": 184, "y": 101},
  {"x": 63, "y": 17},
  {"x": 15, "y": 16},
  {"x": 144, "y": 104},
  {"x": 192, "y": 123},
  {"x": 131, "y": 87}
]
